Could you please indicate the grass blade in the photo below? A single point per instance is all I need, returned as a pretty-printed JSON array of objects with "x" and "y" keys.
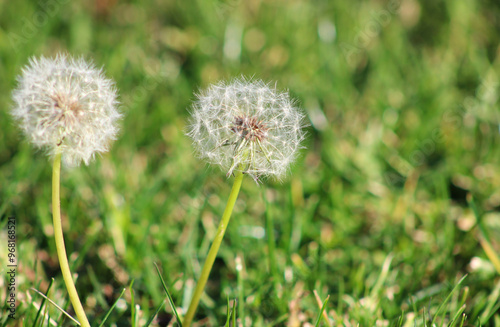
[
  {"x": 490, "y": 253},
  {"x": 484, "y": 239},
  {"x": 55, "y": 304},
  {"x": 172, "y": 305},
  {"x": 43, "y": 302},
  {"x": 228, "y": 313},
  {"x": 401, "y": 319},
  {"x": 234, "y": 313},
  {"x": 463, "y": 320},
  {"x": 111, "y": 309},
  {"x": 320, "y": 314},
  {"x": 132, "y": 303},
  {"x": 319, "y": 302},
  {"x": 457, "y": 316},
  {"x": 156, "y": 312},
  {"x": 492, "y": 305},
  {"x": 441, "y": 307}
]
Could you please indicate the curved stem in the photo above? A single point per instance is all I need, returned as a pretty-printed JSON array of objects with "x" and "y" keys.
[
  {"x": 212, "y": 253},
  {"x": 61, "y": 250}
]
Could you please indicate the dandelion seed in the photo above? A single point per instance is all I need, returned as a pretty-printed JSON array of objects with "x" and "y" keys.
[
  {"x": 67, "y": 106},
  {"x": 247, "y": 126}
]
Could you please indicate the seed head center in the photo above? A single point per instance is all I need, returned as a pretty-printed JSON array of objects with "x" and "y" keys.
[
  {"x": 249, "y": 128},
  {"x": 69, "y": 109}
]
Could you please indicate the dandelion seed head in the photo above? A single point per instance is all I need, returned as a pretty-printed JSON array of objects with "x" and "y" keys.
[
  {"x": 247, "y": 126},
  {"x": 66, "y": 105}
]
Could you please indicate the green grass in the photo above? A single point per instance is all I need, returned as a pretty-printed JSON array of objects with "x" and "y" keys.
[{"x": 376, "y": 214}]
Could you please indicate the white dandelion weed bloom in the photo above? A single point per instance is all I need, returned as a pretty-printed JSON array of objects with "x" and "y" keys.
[
  {"x": 66, "y": 105},
  {"x": 247, "y": 126}
]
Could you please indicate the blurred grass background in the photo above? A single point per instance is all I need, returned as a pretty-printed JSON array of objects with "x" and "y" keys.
[{"x": 402, "y": 98}]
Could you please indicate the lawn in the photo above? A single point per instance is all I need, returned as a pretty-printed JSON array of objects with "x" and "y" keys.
[{"x": 391, "y": 211}]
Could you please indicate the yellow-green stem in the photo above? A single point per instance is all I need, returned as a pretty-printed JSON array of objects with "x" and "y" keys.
[
  {"x": 212, "y": 253},
  {"x": 61, "y": 250}
]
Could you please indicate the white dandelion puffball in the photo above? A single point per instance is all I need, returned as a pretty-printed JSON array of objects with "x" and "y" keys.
[
  {"x": 247, "y": 126},
  {"x": 66, "y": 105}
]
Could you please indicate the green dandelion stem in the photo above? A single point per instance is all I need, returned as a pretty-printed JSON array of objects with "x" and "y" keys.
[
  {"x": 214, "y": 249},
  {"x": 61, "y": 250}
]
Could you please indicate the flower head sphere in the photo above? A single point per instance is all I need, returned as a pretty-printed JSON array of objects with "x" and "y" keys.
[
  {"x": 247, "y": 126},
  {"x": 66, "y": 105}
]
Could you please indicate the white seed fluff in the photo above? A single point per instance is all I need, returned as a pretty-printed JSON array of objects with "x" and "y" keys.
[
  {"x": 66, "y": 105},
  {"x": 247, "y": 126}
]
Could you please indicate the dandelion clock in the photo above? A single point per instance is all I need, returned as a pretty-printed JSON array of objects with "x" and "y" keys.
[
  {"x": 66, "y": 107},
  {"x": 246, "y": 128}
]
